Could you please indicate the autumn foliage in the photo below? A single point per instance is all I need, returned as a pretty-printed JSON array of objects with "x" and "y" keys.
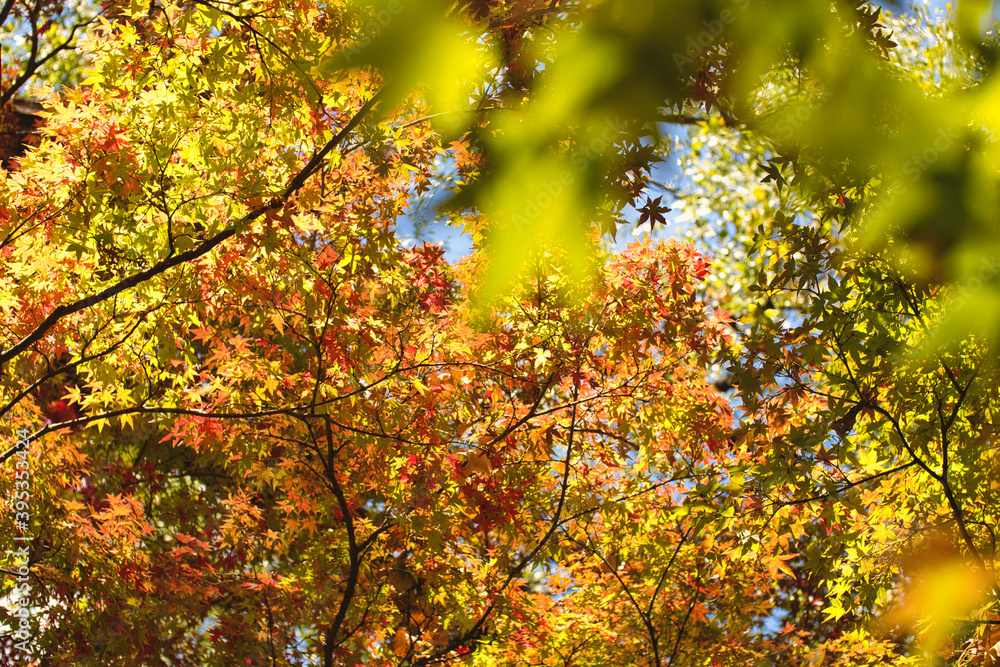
[{"x": 263, "y": 425}]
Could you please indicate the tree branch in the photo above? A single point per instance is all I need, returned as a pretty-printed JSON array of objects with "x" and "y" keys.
[
  {"x": 330, "y": 638},
  {"x": 202, "y": 249}
]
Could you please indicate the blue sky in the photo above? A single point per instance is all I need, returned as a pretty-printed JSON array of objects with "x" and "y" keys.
[
  {"x": 942, "y": 3},
  {"x": 456, "y": 245}
]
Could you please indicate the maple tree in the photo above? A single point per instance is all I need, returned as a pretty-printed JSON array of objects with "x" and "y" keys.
[{"x": 264, "y": 430}]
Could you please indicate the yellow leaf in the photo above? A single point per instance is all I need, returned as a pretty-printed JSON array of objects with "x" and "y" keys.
[
  {"x": 73, "y": 394},
  {"x": 479, "y": 463},
  {"x": 126, "y": 419},
  {"x": 778, "y": 564}
]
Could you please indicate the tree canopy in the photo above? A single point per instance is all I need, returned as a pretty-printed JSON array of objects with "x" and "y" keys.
[{"x": 256, "y": 412}]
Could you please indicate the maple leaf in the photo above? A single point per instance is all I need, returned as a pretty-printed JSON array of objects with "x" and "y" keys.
[
  {"x": 653, "y": 212},
  {"x": 316, "y": 408},
  {"x": 778, "y": 564}
]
